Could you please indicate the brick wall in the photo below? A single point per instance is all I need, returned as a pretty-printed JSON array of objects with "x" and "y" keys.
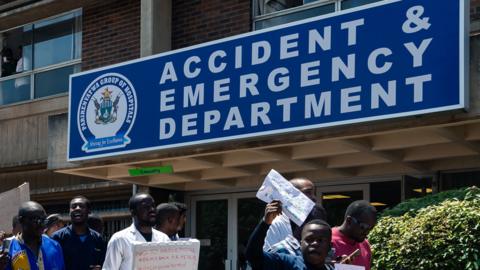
[
  {"x": 198, "y": 21},
  {"x": 111, "y": 32}
]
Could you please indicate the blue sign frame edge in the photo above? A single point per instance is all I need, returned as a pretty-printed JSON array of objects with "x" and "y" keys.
[{"x": 463, "y": 87}]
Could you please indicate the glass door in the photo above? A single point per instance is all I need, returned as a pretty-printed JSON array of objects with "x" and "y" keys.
[
  {"x": 223, "y": 224},
  {"x": 335, "y": 200},
  {"x": 210, "y": 218}
]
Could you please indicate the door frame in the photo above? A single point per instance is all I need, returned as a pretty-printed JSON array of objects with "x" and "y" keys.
[
  {"x": 232, "y": 225},
  {"x": 365, "y": 188}
]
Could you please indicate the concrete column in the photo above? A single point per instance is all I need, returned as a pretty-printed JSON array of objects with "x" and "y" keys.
[{"x": 155, "y": 27}]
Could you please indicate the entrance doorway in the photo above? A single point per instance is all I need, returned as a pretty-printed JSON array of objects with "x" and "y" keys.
[
  {"x": 335, "y": 200},
  {"x": 223, "y": 224}
]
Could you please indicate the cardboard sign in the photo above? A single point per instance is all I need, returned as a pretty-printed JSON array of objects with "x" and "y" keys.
[
  {"x": 175, "y": 255},
  {"x": 348, "y": 267},
  {"x": 10, "y": 201}
]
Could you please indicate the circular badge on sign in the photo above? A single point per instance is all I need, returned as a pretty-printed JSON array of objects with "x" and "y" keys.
[{"x": 107, "y": 112}]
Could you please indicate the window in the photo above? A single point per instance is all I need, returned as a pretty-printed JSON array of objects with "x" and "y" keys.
[
  {"x": 268, "y": 13},
  {"x": 37, "y": 58}
]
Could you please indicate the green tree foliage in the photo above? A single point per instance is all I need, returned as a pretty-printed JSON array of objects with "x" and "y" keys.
[{"x": 445, "y": 235}]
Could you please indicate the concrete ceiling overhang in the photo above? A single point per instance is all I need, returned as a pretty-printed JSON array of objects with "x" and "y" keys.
[{"x": 420, "y": 150}]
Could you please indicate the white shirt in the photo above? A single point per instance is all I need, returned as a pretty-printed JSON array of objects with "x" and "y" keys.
[
  {"x": 278, "y": 231},
  {"x": 120, "y": 247}
]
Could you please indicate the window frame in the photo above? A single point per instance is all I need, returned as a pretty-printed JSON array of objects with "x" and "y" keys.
[{"x": 34, "y": 71}]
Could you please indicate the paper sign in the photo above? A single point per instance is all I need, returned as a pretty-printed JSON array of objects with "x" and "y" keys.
[
  {"x": 348, "y": 267},
  {"x": 10, "y": 201},
  {"x": 295, "y": 204},
  {"x": 175, "y": 255}
]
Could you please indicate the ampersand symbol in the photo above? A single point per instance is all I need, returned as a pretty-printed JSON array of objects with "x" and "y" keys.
[{"x": 415, "y": 22}]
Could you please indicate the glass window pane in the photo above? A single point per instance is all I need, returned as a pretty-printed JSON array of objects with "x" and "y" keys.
[
  {"x": 336, "y": 203},
  {"x": 355, "y": 3},
  {"x": 250, "y": 211},
  {"x": 55, "y": 40},
  {"x": 295, "y": 16},
  {"x": 15, "y": 90},
  {"x": 212, "y": 229},
  {"x": 53, "y": 81},
  {"x": 385, "y": 194},
  {"x": 16, "y": 50},
  {"x": 417, "y": 187}
]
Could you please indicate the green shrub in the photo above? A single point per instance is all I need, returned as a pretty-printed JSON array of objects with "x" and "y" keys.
[{"x": 443, "y": 236}]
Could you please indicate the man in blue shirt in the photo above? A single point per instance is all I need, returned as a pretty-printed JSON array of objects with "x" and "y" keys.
[
  {"x": 315, "y": 244},
  {"x": 31, "y": 250},
  {"x": 83, "y": 248}
]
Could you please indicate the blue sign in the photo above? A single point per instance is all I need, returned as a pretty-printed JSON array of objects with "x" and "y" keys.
[{"x": 380, "y": 61}]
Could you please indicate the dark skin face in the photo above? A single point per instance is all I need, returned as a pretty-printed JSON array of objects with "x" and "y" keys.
[
  {"x": 144, "y": 212},
  {"x": 315, "y": 244},
  {"x": 79, "y": 211},
  {"x": 32, "y": 218},
  {"x": 172, "y": 224},
  {"x": 182, "y": 221},
  {"x": 306, "y": 187},
  {"x": 358, "y": 228}
]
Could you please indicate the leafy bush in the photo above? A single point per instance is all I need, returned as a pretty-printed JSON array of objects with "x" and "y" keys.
[{"x": 443, "y": 236}]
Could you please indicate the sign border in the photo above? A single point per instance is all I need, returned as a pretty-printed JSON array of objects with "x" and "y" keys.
[{"x": 463, "y": 84}]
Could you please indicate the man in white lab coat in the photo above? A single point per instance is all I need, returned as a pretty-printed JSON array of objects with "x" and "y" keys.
[{"x": 120, "y": 247}]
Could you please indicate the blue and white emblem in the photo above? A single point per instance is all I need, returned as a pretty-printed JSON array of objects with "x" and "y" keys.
[{"x": 107, "y": 113}]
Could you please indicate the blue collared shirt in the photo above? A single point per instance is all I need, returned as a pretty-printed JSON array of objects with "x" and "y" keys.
[
  {"x": 50, "y": 256},
  {"x": 80, "y": 254}
]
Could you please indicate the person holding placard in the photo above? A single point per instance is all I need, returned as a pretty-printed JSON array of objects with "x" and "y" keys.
[
  {"x": 315, "y": 244},
  {"x": 360, "y": 218},
  {"x": 120, "y": 247},
  {"x": 281, "y": 227}
]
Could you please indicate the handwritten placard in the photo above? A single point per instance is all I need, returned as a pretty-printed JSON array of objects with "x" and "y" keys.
[
  {"x": 175, "y": 255},
  {"x": 348, "y": 267}
]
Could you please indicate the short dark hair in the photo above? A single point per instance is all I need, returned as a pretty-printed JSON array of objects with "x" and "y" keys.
[
  {"x": 357, "y": 208},
  {"x": 94, "y": 222},
  {"x": 181, "y": 207},
  {"x": 53, "y": 219},
  {"x": 87, "y": 201},
  {"x": 166, "y": 211},
  {"x": 15, "y": 221},
  {"x": 320, "y": 223},
  {"x": 132, "y": 203}
]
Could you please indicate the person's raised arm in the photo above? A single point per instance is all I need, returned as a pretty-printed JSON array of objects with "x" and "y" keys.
[{"x": 254, "y": 252}]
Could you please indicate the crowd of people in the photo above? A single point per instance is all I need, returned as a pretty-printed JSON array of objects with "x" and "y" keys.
[
  {"x": 277, "y": 243},
  {"x": 41, "y": 242}
]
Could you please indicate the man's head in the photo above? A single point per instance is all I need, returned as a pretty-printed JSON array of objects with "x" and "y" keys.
[
  {"x": 32, "y": 219},
  {"x": 183, "y": 215},
  {"x": 142, "y": 208},
  {"x": 79, "y": 210},
  {"x": 95, "y": 222},
  {"x": 53, "y": 223},
  {"x": 316, "y": 242},
  {"x": 318, "y": 212},
  {"x": 305, "y": 186},
  {"x": 16, "y": 226},
  {"x": 360, "y": 218},
  {"x": 168, "y": 218}
]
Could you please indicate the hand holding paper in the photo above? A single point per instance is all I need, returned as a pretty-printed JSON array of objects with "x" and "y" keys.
[{"x": 295, "y": 204}]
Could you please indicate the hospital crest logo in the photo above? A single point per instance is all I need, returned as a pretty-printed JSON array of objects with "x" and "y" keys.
[{"x": 107, "y": 113}]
